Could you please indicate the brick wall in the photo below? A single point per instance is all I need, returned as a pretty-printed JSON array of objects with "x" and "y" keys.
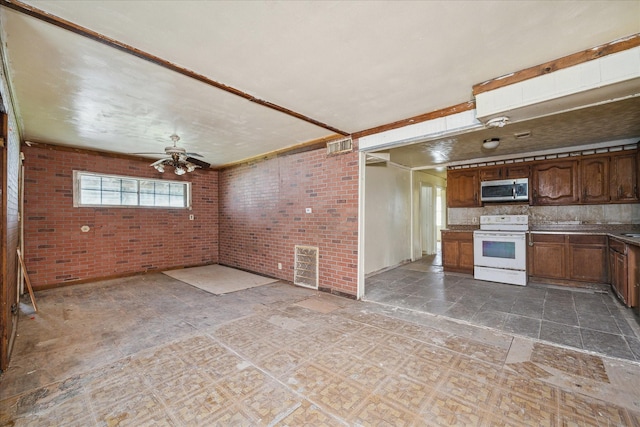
[
  {"x": 262, "y": 216},
  {"x": 121, "y": 241}
]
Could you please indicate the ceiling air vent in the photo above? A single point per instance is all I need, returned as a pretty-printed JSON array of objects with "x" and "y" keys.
[
  {"x": 306, "y": 267},
  {"x": 339, "y": 146}
]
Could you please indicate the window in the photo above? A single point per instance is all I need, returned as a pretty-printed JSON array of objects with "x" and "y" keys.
[{"x": 92, "y": 189}]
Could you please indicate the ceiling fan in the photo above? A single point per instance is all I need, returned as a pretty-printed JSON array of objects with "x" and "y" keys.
[{"x": 178, "y": 157}]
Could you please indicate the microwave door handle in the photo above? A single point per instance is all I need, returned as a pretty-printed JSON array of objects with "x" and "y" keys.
[{"x": 513, "y": 190}]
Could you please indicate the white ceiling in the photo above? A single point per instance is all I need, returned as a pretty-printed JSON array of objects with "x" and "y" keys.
[{"x": 352, "y": 65}]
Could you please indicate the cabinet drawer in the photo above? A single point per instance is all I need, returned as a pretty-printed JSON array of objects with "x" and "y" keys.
[
  {"x": 617, "y": 246},
  {"x": 548, "y": 238},
  {"x": 586, "y": 239}
]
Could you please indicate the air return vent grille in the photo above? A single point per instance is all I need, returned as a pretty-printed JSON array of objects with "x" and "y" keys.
[
  {"x": 306, "y": 267},
  {"x": 339, "y": 146}
]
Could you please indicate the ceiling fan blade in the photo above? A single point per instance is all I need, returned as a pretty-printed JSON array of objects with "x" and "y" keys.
[
  {"x": 200, "y": 163},
  {"x": 156, "y": 154},
  {"x": 194, "y": 154},
  {"x": 160, "y": 161}
]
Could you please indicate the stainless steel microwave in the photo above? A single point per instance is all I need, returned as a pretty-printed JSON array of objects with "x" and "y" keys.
[{"x": 504, "y": 190}]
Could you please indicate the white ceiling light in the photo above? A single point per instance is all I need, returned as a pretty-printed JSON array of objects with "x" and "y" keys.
[
  {"x": 490, "y": 143},
  {"x": 497, "y": 122}
]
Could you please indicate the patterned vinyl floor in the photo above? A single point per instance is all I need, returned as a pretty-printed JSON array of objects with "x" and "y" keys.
[{"x": 153, "y": 351}]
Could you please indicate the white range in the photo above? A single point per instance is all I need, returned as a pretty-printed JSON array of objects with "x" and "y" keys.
[{"x": 500, "y": 249}]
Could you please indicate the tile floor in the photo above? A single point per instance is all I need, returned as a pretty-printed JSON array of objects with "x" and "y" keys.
[
  {"x": 153, "y": 351},
  {"x": 593, "y": 320}
]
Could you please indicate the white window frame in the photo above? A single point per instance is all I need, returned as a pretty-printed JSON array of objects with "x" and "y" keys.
[{"x": 77, "y": 175}]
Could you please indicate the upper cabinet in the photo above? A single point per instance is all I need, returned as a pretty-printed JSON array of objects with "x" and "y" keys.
[
  {"x": 463, "y": 187},
  {"x": 511, "y": 171},
  {"x": 594, "y": 171},
  {"x": 624, "y": 177},
  {"x": 611, "y": 177},
  {"x": 555, "y": 182}
]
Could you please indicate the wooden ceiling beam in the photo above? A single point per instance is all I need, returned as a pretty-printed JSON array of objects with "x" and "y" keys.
[
  {"x": 454, "y": 109},
  {"x": 558, "y": 64}
]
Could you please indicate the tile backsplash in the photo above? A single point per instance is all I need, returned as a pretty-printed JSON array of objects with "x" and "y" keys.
[{"x": 540, "y": 215}]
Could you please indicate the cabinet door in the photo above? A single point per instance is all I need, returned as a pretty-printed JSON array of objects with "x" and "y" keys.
[
  {"x": 450, "y": 253},
  {"x": 624, "y": 177},
  {"x": 517, "y": 171},
  {"x": 462, "y": 188},
  {"x": 595, "y": 179},
  {"x": 457, "y": 251},
  {"x": 491, "y": 173},
  {"x": 547, "y": 256},
  {"x": 555, "y": 183},
  {"x": 588, "y": 263},
  {"x": 621, "y": 283},
  {"x": 466, "y": 255}
]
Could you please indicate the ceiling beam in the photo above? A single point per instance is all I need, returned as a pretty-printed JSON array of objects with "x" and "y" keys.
[
  {"x": 558, "y": 64},
  {"x": 108, "y": 41},
  {"x": 454, "y": 109}
]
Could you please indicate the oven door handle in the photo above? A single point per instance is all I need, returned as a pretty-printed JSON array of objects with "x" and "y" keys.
[{"x": 502, "y": 236}]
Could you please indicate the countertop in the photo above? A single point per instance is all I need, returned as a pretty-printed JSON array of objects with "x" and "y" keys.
[{"x": 616, "y": 231}]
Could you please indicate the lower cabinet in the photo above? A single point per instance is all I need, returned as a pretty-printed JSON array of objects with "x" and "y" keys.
[
  {"x": 457, "y": 251},
  {"x": 546, "y": 257},
  {"x": 565, "y": 258},
  {"x": 623, "y": 265}
]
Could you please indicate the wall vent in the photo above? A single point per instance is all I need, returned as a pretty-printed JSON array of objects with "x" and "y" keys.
[
  {"x": 306, "y": 267},
  {"x": 339, "y": 146}
]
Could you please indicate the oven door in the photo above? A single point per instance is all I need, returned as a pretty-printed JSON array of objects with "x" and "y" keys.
[{"x": 500, "y": 249}]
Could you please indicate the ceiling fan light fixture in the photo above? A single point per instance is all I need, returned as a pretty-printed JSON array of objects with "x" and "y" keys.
[
  {"x": 490, "y": 143},
  {"x": 179, "y": 159}
]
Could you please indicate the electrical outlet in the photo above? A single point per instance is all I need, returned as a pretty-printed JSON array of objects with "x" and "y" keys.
[
  {"x": 279, "y": 266},
  {"x": 191, "y": 217}
]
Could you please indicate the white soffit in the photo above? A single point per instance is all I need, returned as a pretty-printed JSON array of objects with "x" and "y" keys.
[
  {"x": 430, "y": 129},
  {"x": 594, "y": 82}
]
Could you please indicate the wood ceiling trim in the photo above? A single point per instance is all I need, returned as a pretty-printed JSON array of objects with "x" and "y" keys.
[
  {"x": 558, "y": 64},
  {"x": 100, "y": 38},
  {"x": 459, "y": 108},
  {"x": 315, "y": 144}
]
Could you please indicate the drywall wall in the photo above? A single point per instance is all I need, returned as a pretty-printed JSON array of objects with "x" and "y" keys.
[{"x": 387, "y": 229}]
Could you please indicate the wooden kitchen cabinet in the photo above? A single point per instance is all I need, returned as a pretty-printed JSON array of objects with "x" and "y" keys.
[
  {"x": 624, "y": 177},
  {"x": 555, "y": 182},
  {"x": 587, "y": 258},
  {"x": 511, "y": 171},
  {"x": 463, "y": 188},
  {"x": 457, "y": 251},
  {"x": 546, "y": 257},
  {"x": 566, "y": 258},
  {"x": 595, "y": 184},
  {"x": 623, "y": 263}
]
